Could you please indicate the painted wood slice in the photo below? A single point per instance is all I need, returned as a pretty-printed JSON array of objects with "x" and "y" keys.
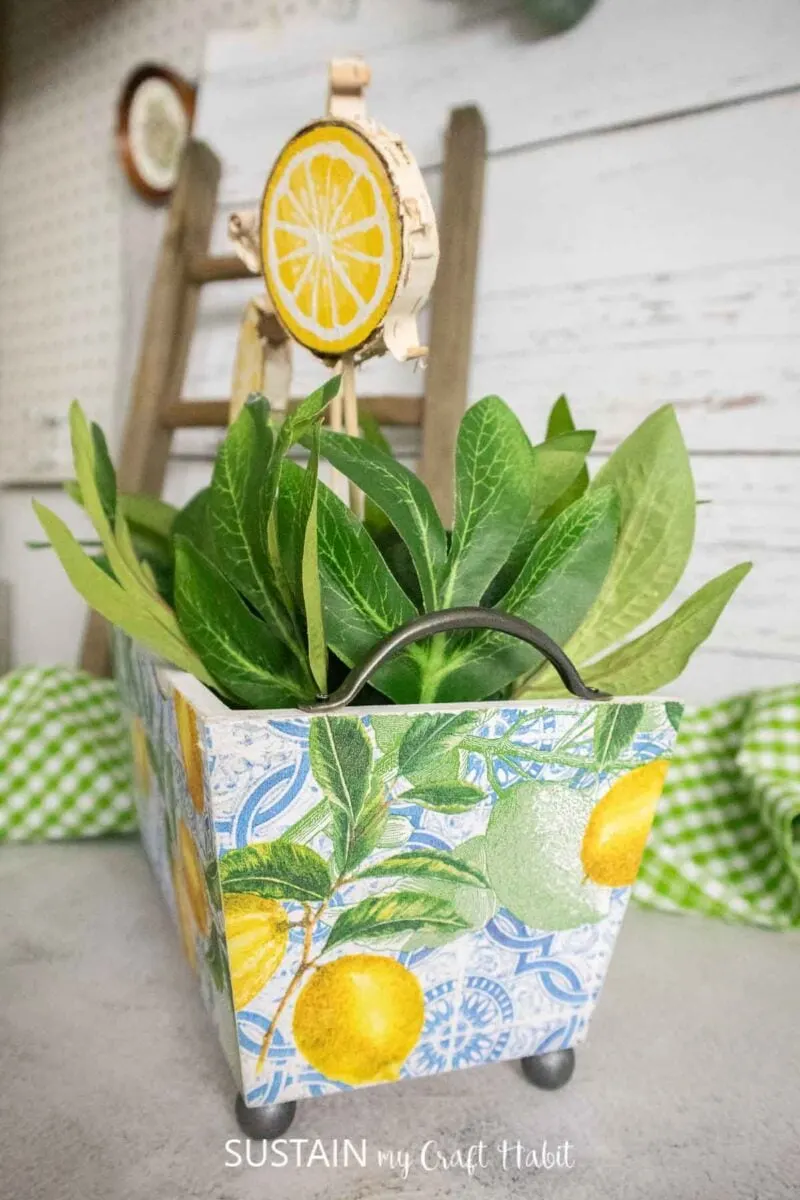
[
  {"x": 154, "y": 120},
  {"x": 348, "y": 239}
]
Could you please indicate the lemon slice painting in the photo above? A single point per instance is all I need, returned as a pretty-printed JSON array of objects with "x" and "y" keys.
[{"x": 348, "y": 239}]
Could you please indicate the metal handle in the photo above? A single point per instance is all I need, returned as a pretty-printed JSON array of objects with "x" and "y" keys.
[{"x": 450, "y": 620}]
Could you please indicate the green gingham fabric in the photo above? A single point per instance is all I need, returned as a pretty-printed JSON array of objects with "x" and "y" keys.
[
  {"x": 65, "y": 756},
  {"x": 726, "y": 839}
]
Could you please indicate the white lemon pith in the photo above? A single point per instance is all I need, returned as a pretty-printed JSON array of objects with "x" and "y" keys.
[{"x": 330, "y": 238}]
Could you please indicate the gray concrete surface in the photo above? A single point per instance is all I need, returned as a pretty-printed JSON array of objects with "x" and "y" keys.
[{"x": 113, "y": 1088}]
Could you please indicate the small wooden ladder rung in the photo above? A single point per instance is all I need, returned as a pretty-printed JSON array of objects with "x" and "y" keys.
[
  {"x": 213, "y": 414},
  {"x": 207, "y": 268}
]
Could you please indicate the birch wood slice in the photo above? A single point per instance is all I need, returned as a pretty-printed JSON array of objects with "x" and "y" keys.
[{"x": 348, "y": 240}]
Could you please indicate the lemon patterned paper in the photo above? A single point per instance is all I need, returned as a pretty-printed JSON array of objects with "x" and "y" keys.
[
  {"x": 348, "y": 238},
  {"x": 391, "y": 893}
]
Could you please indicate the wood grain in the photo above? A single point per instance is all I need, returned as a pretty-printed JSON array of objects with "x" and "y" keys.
[
  {"x": 630, "y": 61},
  {"x": 208, "y": 268},
  {"x": 452, "y": 308}
]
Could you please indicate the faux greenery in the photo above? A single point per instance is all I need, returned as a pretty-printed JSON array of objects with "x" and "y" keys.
[{"x": 268, "y": 588}]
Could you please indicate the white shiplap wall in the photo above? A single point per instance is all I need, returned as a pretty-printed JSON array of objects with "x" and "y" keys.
[{"x": 640, "y": 243}]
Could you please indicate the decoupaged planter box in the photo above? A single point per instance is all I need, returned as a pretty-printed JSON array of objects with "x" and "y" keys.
[{"x": 463, "y": 910}]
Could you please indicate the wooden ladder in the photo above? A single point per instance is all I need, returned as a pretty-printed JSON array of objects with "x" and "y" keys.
[{"x": 184, "y": 265}]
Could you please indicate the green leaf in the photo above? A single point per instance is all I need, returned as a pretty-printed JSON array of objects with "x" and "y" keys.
[
  {"x": 371, "y": 432},
  {"x": 92, "y": 476},
  {"x": 446, "y": 797},
  {"x": 556, "y": 464},
  {"x": 127, "y": 552},
  {"x": 104, "y": 474},
  {"x": 652, "y": 476},
  {"x": 475, "y": 904},
  {"x": 361, "y": 599},
  {"x": 430, "y": 737},
  {"x": 276, "y": 871},
  {"x": 615, "y": 727},
  {"x": 658, "y": 656},
  {"x": 560, "y": 476},
  {"x": 396, "y": 555},
  {"x": 383, "y": 917},
  {"x": 389, "y": 731},
  {"x": 216, "y": 961},
  {"x": 341, "y": 762},
  {"x": 674, "y": 711},
  {"x": 292, "y": 506},
  {"x": 404, "y": 499},
  {"x": 147, "y": 513},
  {"x": 397, "y": 832},
  {"x": 555, "y": 590},
  {"x": 312, "y": 593},
  {"x": 493, "y": 465},
  {"x": 428, "y": 864},
  {"x": 107, "y": 597},
  {"x": 211, "y": 874},
  {"x": 238, "y": 514},
  {"x": 240, "y": 651},
  {"x": 193, "y": 522},
  {"x": 440, "y": 770},
  {"x": 308, "y": 412},
  {"x": 375, "y": 519},
  {"x": 94, "y": 472},
  {"x": 561, "y": 424},
  {"x": 368, "y": 832},
  {"x": 73, "y": 490},
  {"x": 296, "y": 426},
  {"x": 282, "y": 584}
]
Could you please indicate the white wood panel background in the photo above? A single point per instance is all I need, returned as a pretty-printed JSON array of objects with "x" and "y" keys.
[{"x": 641, "y": 244}]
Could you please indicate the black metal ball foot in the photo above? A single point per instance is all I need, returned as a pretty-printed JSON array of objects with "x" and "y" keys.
[
  {"x": 267, "y": 1122},
  {"x": 549, "y": 1071}
]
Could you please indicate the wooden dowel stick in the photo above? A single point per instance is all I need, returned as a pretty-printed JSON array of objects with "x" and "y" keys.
[
  {"x": 335, "y": 420},
  {"x": 350, "y": 404}
]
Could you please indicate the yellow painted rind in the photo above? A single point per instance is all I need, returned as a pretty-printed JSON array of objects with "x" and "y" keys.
[
  {"x": 191, "y": 871},
  {"x": 142, "y": 769},
  {"x": 356, "y": 142},
  {"x": 189, "y": 739},
  {"x": 620, "y": 824},
  {"x": 358, "y": 1018},
  {"x": 257, "y": 933},
  {"x": 183, "y": 909}
]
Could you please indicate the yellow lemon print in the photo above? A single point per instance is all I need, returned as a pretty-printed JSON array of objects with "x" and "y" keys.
[
  {"x": 142, "y": 770},
  {"x": 358, "y": 1018},
  {"x": 257, "y": 931},
  {"x": 191, "y": 871},
  {"x": 619, "y": 825},
  {"x": 185, "y": 918},
  {"x": 330, "y": 238},
  {"x": 190, "y": 748}
]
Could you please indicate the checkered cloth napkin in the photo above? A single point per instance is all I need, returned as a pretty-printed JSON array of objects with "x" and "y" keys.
[
  {"x": 65, "y": 756},
  {"x": 726, "y": 839}
]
